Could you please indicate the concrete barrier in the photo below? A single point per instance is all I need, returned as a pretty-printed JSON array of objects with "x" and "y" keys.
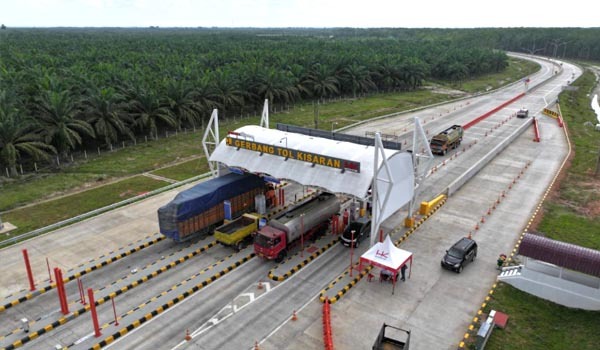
[
  {"x": 467, "y": 175},
  {"x": 427, "y": 206}
]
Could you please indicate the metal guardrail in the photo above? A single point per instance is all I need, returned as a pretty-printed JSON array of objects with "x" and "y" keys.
[{"x": 98, "y": 211}]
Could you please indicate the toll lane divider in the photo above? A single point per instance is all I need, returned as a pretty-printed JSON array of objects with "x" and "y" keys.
[
  {"x": 170, "y": 303},
  {"x": 463, "y": 343},
  {"x": 487, "y": 114},
  {"x": 18, "y": 330},
  {"x": 471, "y": 144},
  {"x": 426, "y": 207},
  {"x": 162, "y": 294},
  {"x": 327, "y": 334},
  {"x": 78, "y": 274},
  {"x": 332, "y": 300},
  {"x": 108, "y": 297},
  {"x": 305, "y": 262},
  {"x": 483, "y": 161}
]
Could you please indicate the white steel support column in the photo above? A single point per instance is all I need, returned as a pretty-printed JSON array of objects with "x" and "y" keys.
[
  {"x": 378, "y": 204},
  {"x": 264, "y": 119},
  {"x": 422, "y": 160},
  {"x": 211, "y": 140}
]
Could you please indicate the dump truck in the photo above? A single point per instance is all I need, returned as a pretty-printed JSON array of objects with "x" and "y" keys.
[
  {"x": 392, "y": 338},
  {"x": 446, "y": 140},
  {"x": 238, "y": 233},
  {"x": 199, "y": 210},
  {"x": 306, "y": 221}
]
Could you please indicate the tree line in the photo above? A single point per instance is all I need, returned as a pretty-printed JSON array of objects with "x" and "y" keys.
[{"x": 66, "y": 89}]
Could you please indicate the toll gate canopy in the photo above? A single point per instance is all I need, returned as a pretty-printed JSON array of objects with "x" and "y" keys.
[{"x": 333, "y": 165}]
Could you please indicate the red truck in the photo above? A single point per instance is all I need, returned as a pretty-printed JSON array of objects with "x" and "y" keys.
[{"x": 308, "y": 220}]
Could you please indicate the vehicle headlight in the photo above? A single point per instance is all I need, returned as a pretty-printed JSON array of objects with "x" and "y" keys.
[{"x": 456, "y": 265}]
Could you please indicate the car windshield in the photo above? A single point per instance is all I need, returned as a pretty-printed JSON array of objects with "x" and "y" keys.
[
  {"x": 353, "y": 226},
  {"x": 455, "y": 253},
  {"x": 263, "y": 241}
]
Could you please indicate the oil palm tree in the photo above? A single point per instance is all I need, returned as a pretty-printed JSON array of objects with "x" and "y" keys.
[
  {"x": 17, "y": 137},
  {"x": 58, "y": 122},
  {"x": 104, "y": 110},
  {"x": 321, "y": 81},
  {"x": 356, "y": 77},
  {"x": 180, "y": 98},
  {"x": 148, "y": 111},
  {"x": 273, "y": 85},
  {"x": 228, "y": 91}
]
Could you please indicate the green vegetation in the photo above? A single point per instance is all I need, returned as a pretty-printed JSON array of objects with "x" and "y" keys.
[
  {"x": 184, "y": 170},
  {"x": 571, "y": 215},
  {"x": 160, "y": 153},
  {"x": 515, "y": 70},
  {"x": 90, "y": 88},
  {"x": 537, "y": 324},
  {"x": 46, "y": 213},
  {"x": 562, "y": 223},
  {"x": 122, "y": 162}
]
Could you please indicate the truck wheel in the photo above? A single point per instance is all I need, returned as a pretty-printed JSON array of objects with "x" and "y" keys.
[
  {"x": 240, "y": 246},
  {"x": 281, "y": 256}
]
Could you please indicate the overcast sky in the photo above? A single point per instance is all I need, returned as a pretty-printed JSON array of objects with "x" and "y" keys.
[{"x": 300, "y": 13}]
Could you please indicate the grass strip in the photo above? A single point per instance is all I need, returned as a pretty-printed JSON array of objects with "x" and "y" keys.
[
  {"x": 46, "y": 213},
  {"x": 185, "y": 170},
  {"x": 538, "y": 324}
]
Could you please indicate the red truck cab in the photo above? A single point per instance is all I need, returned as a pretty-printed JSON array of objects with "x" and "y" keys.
[{"x": 270, "y": 242}]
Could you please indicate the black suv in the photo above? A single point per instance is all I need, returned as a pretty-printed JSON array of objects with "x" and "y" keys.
[
  {"x": 463, "y": 251},
  {"x": 362, "y": 229}
]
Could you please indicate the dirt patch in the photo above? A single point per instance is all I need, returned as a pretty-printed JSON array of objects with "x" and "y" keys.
[{"x": 445, "y": 91}]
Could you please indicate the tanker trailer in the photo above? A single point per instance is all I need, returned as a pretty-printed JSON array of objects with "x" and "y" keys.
[{"x": 309, "y": 220}]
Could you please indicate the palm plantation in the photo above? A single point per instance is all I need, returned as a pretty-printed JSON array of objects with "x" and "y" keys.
[{"x": 95, "y": 88}]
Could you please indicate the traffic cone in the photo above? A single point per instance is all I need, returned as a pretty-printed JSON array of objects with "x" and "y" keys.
[
  {"x": 188, "y": 337},
  {"x": 482, "y": 219},
  {"x": 294, "y": 317},
  {"x": 469, "y": 235},
  {"x": 489, "y": 211},
  {"x": 260, "y": 286},
  {"x": 256, "y": 345},
  {"x": 476, "y": 226}
]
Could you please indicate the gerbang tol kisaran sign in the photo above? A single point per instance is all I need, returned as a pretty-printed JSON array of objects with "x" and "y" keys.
[{"x": 284, "y": 152}]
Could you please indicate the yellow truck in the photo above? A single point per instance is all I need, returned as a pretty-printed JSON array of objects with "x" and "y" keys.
[{"x": 238, "y": 233}]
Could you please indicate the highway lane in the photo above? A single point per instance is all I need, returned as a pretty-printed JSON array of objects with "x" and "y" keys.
[
  {"x": 438, "y": 305},
  {"x": 468, "y": 116},
  {"x": 460, "y": 112},
  {"x": 216, "y": 336}
]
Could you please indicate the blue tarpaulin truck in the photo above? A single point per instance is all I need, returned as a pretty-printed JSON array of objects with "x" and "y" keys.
[{"x": 200, "y": 209}]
